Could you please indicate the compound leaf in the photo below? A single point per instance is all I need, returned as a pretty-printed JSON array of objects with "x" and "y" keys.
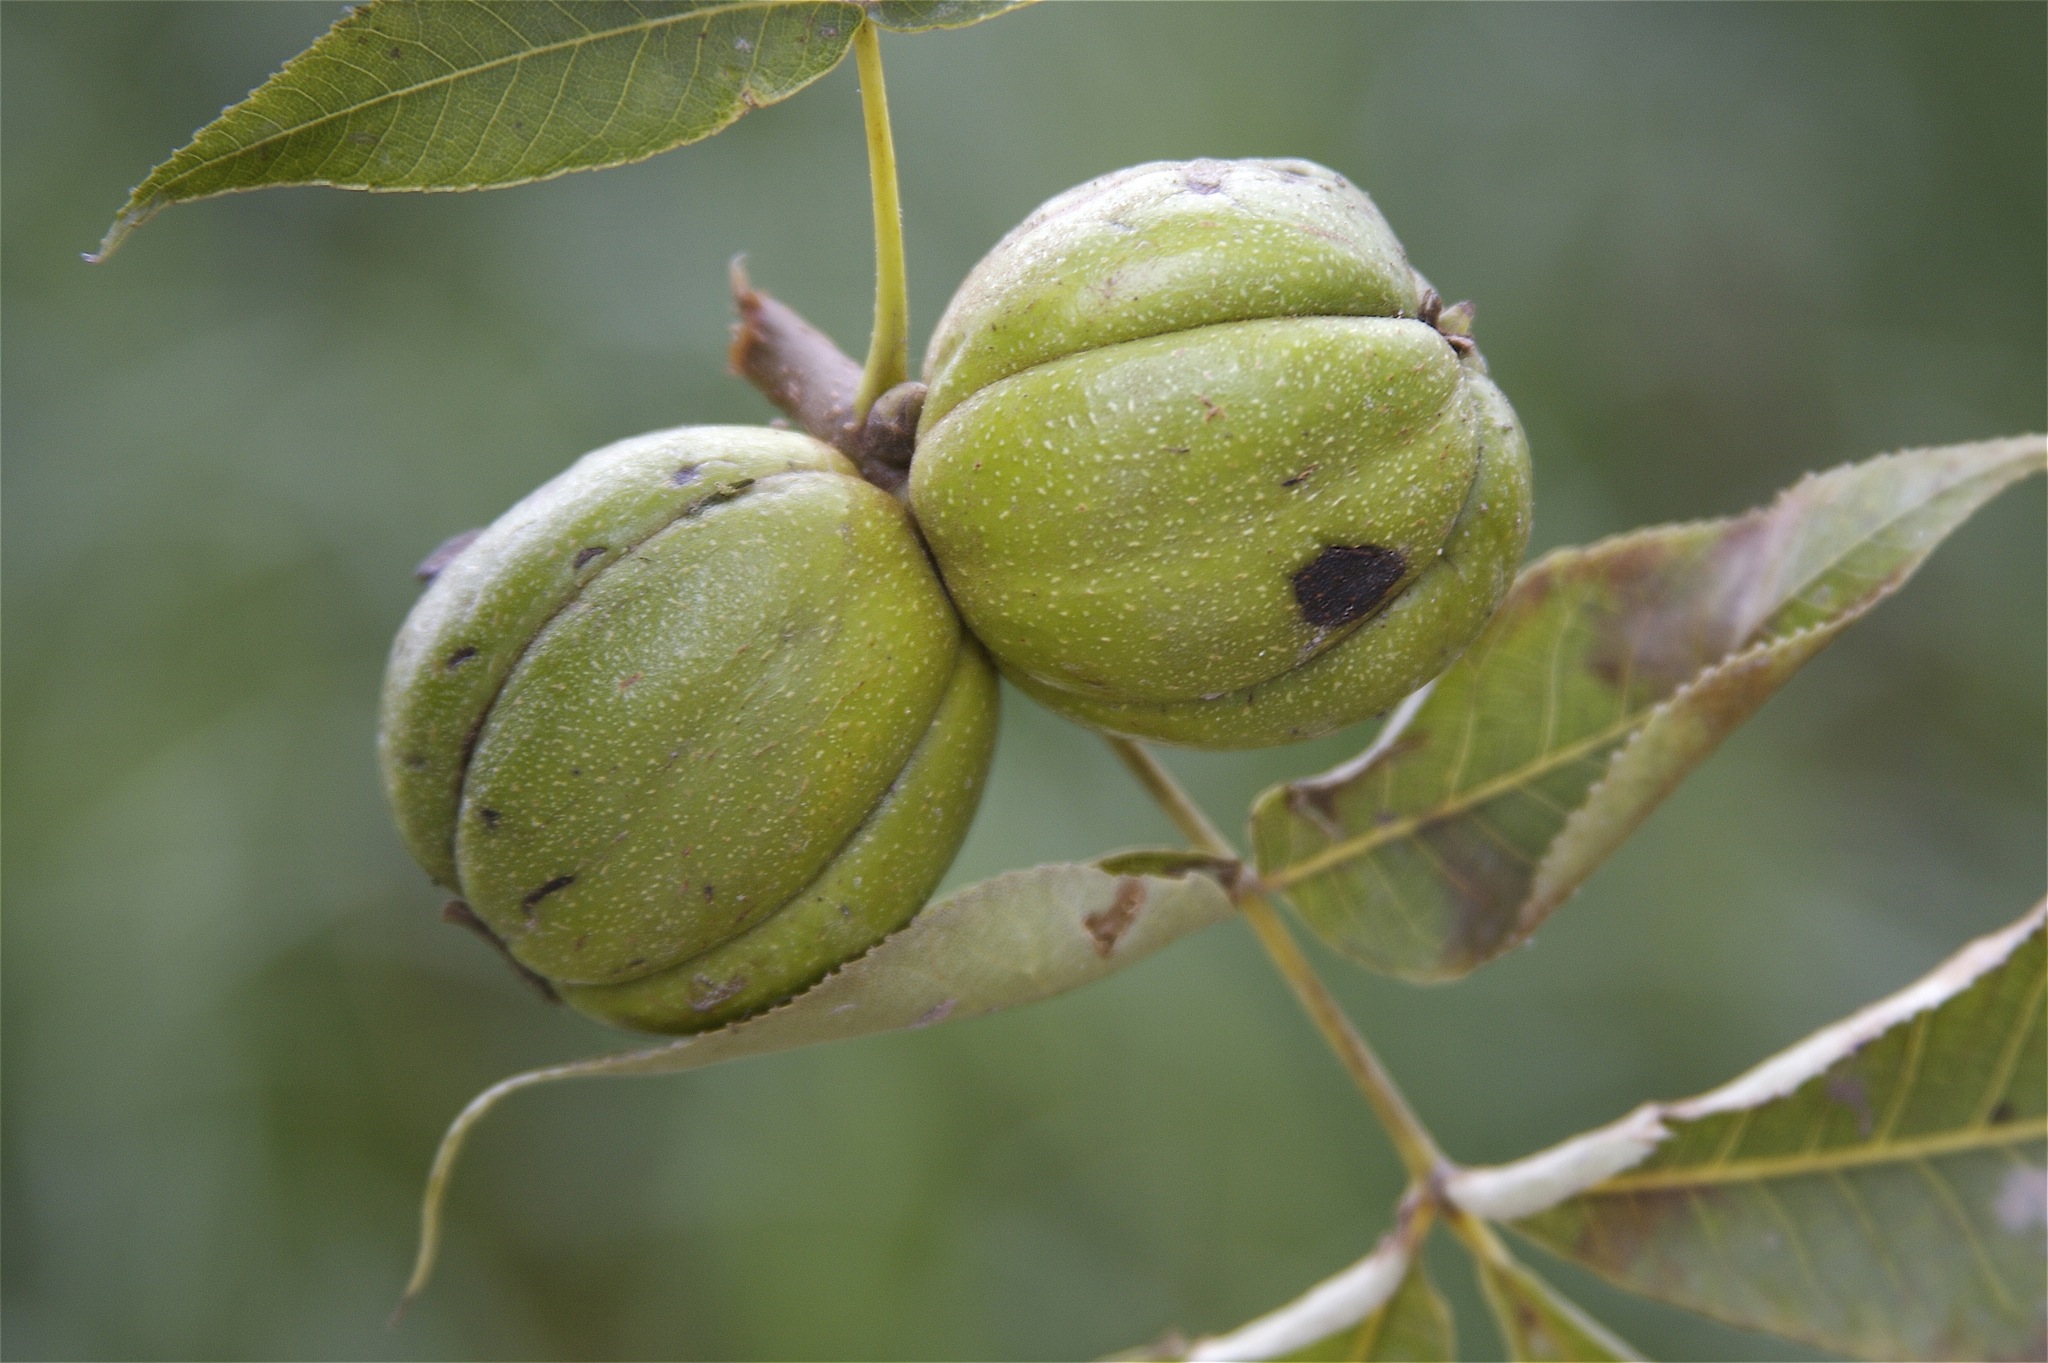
[
  {"x": 470, "y": 94},
  {"x": 1878, "y": 1189},
  {"x": 1539, "y": 1326},
  {"x": 1013, "y": 939},
  {"x": 1607, "y": 675}
]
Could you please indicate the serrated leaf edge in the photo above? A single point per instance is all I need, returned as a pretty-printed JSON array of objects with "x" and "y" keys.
[
  {"x": 1350, "y": 849},
  {"x": 138, "y": 211},
  {"x": 1524, "y": 1187}
]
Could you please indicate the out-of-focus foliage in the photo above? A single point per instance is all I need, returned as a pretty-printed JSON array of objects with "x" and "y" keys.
[{"x": 1712, "y": 248}]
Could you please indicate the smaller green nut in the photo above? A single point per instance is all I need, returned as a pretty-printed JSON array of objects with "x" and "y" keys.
[
  {"x": 689, "y": 726},
  {"x": 1205, "y": 461}
]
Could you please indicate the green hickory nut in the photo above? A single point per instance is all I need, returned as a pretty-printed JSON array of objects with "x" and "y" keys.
[
  {"x": 689, "y": 726},
  {"x": 1205, "y": 461}
]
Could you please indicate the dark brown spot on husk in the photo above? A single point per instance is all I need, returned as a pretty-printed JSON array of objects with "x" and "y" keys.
[
  {"x": 1346, "y": 582},
  {"x": 489, "y": 816},
  {"x": 459, "y": 657},
  {"x": 583, "y": 556},
  {"x": 717, "y": 498},
  {"x": 1107, "y": 926},
  {"x": 558, "y": 883},
  {"x": 686, "y": 475}
]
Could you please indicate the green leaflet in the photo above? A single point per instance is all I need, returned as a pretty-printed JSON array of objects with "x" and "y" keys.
[
  {"x": 1414, "y": 1326},
  {"x": 1382, "y": 1307},
  {"x": 470, "y": 94},
  {"x": 1878, "y": 1189},
  {"x": 1016, "y": 938},
  {"x": 1538, "y": 1325},
  {"x": 1607, "y": 675}
]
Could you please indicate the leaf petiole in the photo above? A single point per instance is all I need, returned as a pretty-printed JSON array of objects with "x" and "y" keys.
[
  {"x": 889, "y": 347},
  {"x": 1417, "y": 1148}
]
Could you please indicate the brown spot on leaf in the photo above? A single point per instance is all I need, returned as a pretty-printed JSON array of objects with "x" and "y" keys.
[
  {"x": 1107, "y": 926},
  {"x": 1485, "y": 883},
  {"x": 1666, "y": 605},
  {"x": 1851, "y": 1092},
  {"x": 1346, "y": 582}
]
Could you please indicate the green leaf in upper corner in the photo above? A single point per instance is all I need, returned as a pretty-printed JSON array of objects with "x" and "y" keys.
[
  {"x": 466, "y": 94},
  {"x": 1880, "y": 1189},
  {"x": 1607, "y": 675},
  {"x": 917, "y": 16},
  {"x": 1539, "y": 1326},
  {"x": 1414, "y": 1326}
]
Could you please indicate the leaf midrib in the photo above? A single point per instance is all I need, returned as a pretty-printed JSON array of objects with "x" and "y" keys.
[
  {"x": 1983, "y": 1137},
  {"x": 1361, "y": 844},
  {"x": 461, "y": 73}
]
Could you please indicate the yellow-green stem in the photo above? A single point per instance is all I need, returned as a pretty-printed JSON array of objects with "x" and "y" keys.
[
  {"x": 1417, "y": 1148},
  {"x": 889, "y": 348},
  {"x": 1478, "y": 1237},
  {"x": 1158, "y": 782}
]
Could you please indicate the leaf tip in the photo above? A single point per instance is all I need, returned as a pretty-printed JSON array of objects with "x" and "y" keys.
[{"x": 131, "y": 217}]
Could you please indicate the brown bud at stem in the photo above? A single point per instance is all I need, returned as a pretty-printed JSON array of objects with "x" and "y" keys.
[{"x": 799, "y": 369}]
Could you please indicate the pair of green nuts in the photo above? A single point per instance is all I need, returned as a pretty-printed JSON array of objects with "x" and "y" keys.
[{"x": 1202, "y": 460}]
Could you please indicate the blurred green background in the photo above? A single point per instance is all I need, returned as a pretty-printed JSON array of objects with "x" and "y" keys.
[{"x": 1711, "y": 248}]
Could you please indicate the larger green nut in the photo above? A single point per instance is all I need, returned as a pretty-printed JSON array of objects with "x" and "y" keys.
[
  {"x": 1201, "y": 462},
  {"x": 689, "y": 726}
]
